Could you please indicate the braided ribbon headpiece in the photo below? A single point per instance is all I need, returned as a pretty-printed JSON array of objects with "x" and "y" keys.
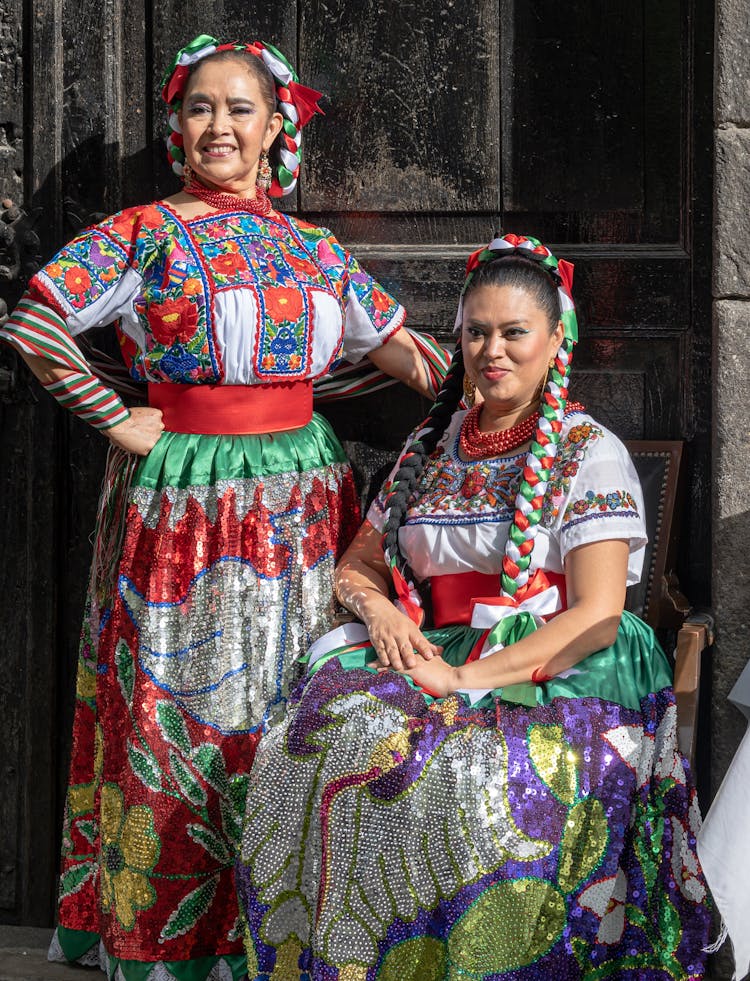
[
  {"x": 560, "y": 270},
  {"x": 296, "y": 103}
]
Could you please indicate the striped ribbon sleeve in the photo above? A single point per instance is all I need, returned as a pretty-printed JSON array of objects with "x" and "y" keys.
[
  {"x": 36, "y": 329},
  {"x": 352, "y": 380}
]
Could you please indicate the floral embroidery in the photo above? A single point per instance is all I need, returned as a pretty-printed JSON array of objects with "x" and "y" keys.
[
  {"x": 129, "y": 851},
  {"x": 454, "y": 492},
  {"x": 570, "y": 455},
  {"x": 283, "y": 304},
  {"x": 304, "y": 267},
  {"x": 184, "y": 267},
  {"x": 591, "y": 501},
  {"x": 229, "y": 265},
  {"x": 77, "y": 280},
  {"x": 173, "y": 320}
]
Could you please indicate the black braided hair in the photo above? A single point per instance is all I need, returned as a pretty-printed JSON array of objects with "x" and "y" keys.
[{"x": 413, "y": 459}]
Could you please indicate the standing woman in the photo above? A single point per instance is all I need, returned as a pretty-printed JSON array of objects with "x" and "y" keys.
[
  {"x": 219, "y": 574},
  {"x": 516, "y": 808}
]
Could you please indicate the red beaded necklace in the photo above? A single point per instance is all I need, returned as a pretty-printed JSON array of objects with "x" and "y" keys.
[
  {"x": 475, "y": 445},
  {"x": 259, "y": 205}
]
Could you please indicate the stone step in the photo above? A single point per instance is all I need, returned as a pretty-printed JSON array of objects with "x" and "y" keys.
[{"x": 23, "y": 957}]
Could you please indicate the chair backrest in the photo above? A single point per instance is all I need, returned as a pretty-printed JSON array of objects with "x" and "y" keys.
[{"x": 658, "y": 465}]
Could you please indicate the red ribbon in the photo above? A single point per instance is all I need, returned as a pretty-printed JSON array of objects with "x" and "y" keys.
[
  {"x": 473, "y": 261},
  {"x": 305, "y": 102},
  {"x": 174, "y": 87},
  {"x": 413, "y": 610},
  {"x": 565, "y": 272}
]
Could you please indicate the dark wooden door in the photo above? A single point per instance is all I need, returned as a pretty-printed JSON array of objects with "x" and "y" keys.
[{"x": 586, "y": 124}]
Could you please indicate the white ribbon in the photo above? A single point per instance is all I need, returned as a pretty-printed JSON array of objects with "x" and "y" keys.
[
  {"x": 343, "y": 636},
  {"x": 189, "y": 58},
  {"x": 487, "y": 615}
]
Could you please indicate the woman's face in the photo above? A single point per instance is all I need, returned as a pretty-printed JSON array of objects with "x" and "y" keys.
[
  {"x": 507, "y": 345},
  {"x": 226, "y": 125}
]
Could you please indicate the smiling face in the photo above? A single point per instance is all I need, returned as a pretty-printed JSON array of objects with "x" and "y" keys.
[
  {"x": 226, "y": 125},
  {"x": 507, "y": 346}
]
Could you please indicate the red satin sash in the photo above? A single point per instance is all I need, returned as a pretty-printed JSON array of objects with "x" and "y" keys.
[
  {"x": 232, "y": 410},
  {"x": 452, "y": 595}
]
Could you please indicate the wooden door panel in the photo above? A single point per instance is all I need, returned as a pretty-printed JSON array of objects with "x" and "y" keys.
[{"x": 412, "y": 121}]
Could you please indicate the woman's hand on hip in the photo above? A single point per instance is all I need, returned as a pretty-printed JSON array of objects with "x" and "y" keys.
[{"x": 139, "y": 433}]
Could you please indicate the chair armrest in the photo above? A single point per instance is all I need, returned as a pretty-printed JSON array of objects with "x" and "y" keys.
[{"x": 693, "y": 637}]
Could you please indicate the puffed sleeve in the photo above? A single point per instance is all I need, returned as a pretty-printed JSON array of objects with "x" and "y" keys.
[
  {"x": 96, "y": 278},
  {"x": 595, "y": 494},
  {"x": 372, "y": 315}
]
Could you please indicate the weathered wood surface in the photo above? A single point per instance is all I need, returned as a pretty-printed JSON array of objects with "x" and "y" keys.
[{"x": 583, "y": 124}]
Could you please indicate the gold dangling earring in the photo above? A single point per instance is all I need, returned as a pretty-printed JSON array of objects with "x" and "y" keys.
[
  {"x": 470, "y": 390},
  {"x": 187, "y": 174},
  {"x": 543, "y": 386},
  {"x": 265, "y": 177}
]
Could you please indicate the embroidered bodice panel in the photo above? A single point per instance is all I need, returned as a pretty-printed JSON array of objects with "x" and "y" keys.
[
  {"x": 230, "y": 298},
  {"x": 458, "y": 519}
]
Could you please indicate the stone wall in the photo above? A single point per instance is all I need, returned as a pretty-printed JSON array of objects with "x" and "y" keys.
[
  {"x": 731, "y": 360},
  {"x": 731, "y": 369}
]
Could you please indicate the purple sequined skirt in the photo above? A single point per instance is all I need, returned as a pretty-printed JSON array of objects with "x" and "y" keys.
[{"x": 393, "y": 840}]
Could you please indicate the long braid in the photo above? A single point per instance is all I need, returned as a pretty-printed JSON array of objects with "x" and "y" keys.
[
  {"x": 411, "y": 465},
  {"x": 535, "y": 478}
]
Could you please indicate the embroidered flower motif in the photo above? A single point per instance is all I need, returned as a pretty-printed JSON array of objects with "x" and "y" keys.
[
  {"x": 192, "y": 286},
  {"x": 612, "y": 501},
  {"x": 54, "y": 270},
  {"x": 294, "y": 362},
  {"x": 173, "y": 320},
  {"x": 303, "y": 266},
  {"x": 326, "y": 255},
  {"x": 472, "y": 485},
  {"x": 228, "y": 264},
  {"x": 381, "y": 301},
  {"x": 578, "y": 434},
  {"x": 685, "y": 868},
  {"x": 269, "y": 361},
  {"x": 283, "y": 303},
  {"x": 129, "y": 851},
  {"x": 77, "y": 280},
  {"x": 606, "y": 899}
]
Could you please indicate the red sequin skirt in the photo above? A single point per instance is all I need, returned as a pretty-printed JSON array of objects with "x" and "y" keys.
[{"x": 224, "y": 578}]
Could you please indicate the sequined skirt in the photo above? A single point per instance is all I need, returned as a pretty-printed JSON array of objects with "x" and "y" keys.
[
  {"x": 224, "y": 579},
  {"x": 395, "y": 837}
]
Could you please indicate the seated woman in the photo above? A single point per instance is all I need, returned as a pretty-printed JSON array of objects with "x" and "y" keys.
[{"x": 501, "y": 796}]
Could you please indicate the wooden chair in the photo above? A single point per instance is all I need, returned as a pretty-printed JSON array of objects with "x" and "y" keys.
[{"x": 657, "y": 599}]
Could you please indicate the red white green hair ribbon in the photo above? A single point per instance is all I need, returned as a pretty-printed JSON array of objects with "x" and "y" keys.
[
  {"x": 530, "y": 248},
  {"x": 296, "y": 103}
]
